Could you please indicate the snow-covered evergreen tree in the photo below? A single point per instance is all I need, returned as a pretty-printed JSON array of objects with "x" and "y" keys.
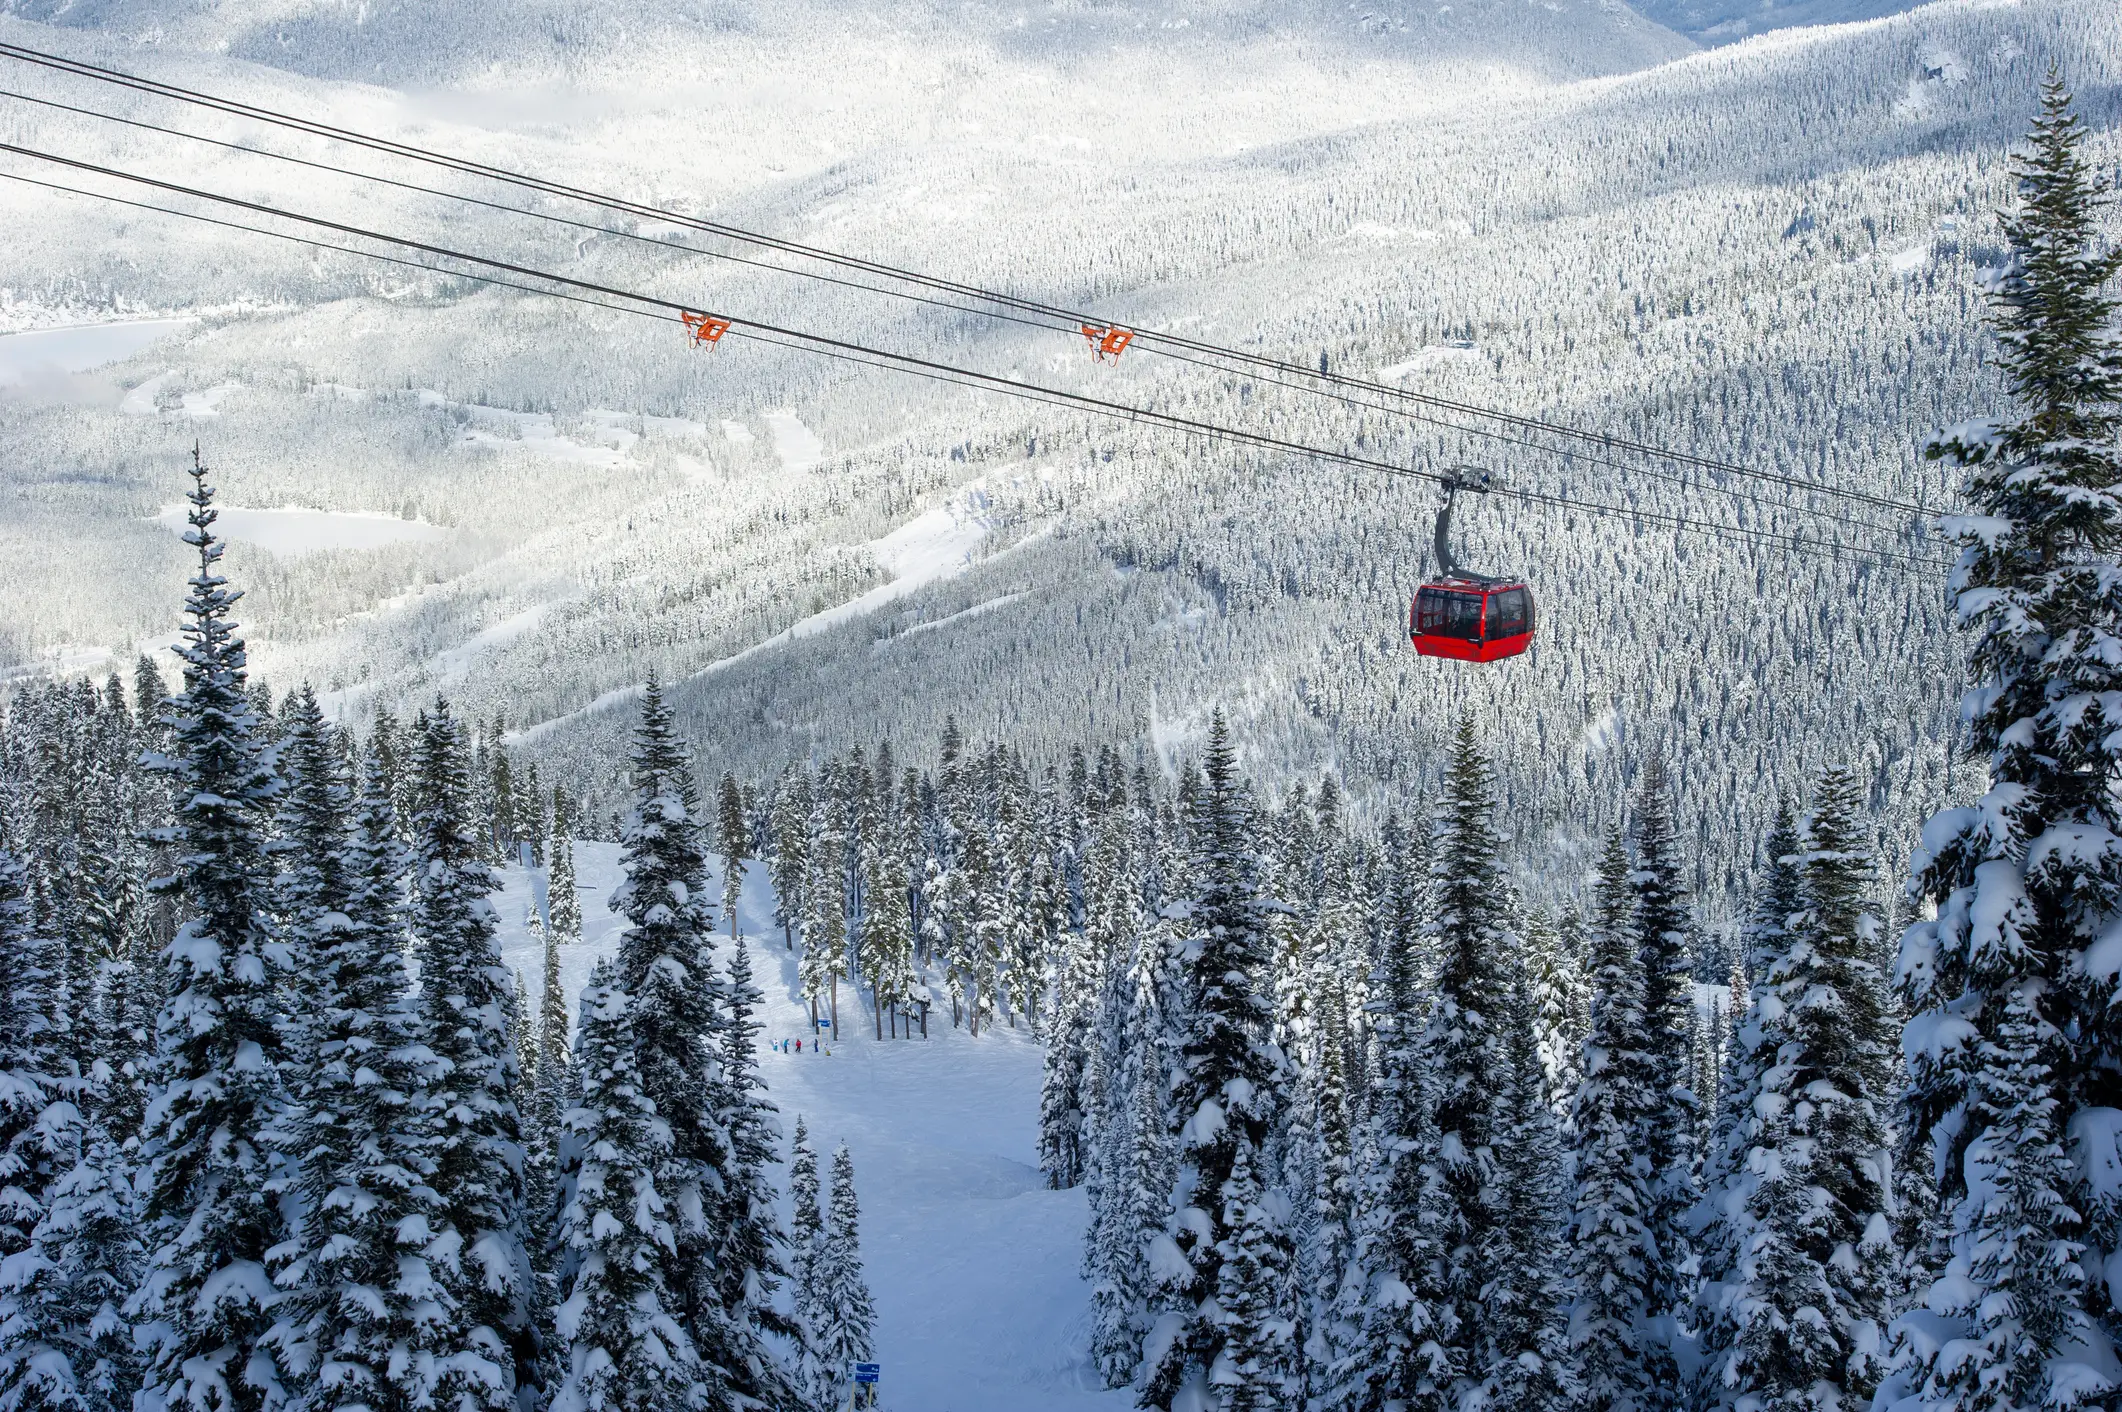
[
  {"x": 1224, "y": 1081},
  {"x": 676, "y": 1017},
  {"x": 1331, "y": 1228},
  {"x": 824, "y": 915},
  {"x": 1377, "y": 1349},
  {"x": 1666, "y": 1132},
  {"x": 750, "y": 1240},
  {"x": 1765, "y": 934},
  {"x": 64, "y": 1344},
  {"x": 365, "y": 1317},
  {"x": 2014, "y": 1041},
  {"x": 888, "y": 934},
  {"x": 311, "y": 888},
  {"x": 1256, "y": 1368},
  {"x": 845, "y": 1333},
  {"x": 548, "y": 1105},
  {"x": 1561, "y": 1000},
  {"x": 563, "y": 893},
  {"x": 1061, "y": 1154},
  {"x": 1797, "y": 1238},
  {"x": 628, "y": 1344},
  {"x": 482, "y": 1254},
  {"x": 63, "y": 1269},
  {"x": 733, "y": 837},
  {"x": 789, "y": 863},
  {"x": 32, "y": 1052},
  {"x": 522, "y": 1026},
  {"x": 1465, "y": 1052},
  {"x": 806, "y": 1239},
  {"x": 1525, "y": 1304},
  {"x": 206, "y": 1301},
  {"x": 2017, "y": 1280},
  {"x": 1136, "y": 1174},
  {"x": 1612, "y": 1249}
]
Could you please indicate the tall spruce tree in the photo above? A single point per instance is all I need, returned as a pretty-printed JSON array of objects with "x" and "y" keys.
[
  {"x": 1797, "y": 1237},
  {"x": 542, "y": 1129},
  {"x": 1465, "y": 1049},
  {"x": 362, "y": 1321},
  {"x": 1560, "y": 999},
  {"x": 1666, "y": 1131},
  {"x": 733, "y": 837},
  {"x": 628, "y": 1345},
  {"x": 2014, "y": 1040},
  {"x": 1061, "y": 1154},
  {"x": 824, "y": 892},
  {"x": 1525, "y": 1303},
  {"x": 1765, "y": 935},
  {"x": 847, "y": 1317},
  {"x": 888, "y": 934},
  {"x": 677, "y": 1019},
  {"x": 1612, "y": 1249},
  {"x": 749, "y": 1259},
  {"x": 312, "y": 886},
  {"x": 1379, "y": 1346},
  {"x": 789, "y": 863},
  {"x": 806, "y": 1240},
  {"x": 563, "y": 892},
  {"x": 1134, "y": 1198},
  {"x": 206, "y": 1301},
  {"x": 465, "y": 994},
  {"x": 1225, "y": 1078}
]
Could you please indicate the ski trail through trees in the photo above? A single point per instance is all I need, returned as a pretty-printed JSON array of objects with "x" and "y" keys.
[{"x": 973, "y": 1263}]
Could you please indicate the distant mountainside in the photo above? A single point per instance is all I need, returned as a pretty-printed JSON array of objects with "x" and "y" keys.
[
  {"x": 446, "y": 42},
  {"x": 1765, "y": 253},
  {"x": 1725, "y": 21}
]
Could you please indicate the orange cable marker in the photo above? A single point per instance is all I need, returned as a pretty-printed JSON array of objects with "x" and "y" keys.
[
  {"x": 1107, "y": 342},
  {"x": 706, "y": 328}
]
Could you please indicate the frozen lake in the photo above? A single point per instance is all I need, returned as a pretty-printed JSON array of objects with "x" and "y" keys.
[
  {"x": 23, "y": 356},
  {"x": 293, "y": 531}
]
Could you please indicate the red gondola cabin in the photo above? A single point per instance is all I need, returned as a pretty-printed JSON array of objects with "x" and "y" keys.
[{"x": 1473, "y": 620}]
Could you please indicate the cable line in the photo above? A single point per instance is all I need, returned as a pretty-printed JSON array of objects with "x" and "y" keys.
[
  {"x": 1154, "y": 340},
  {"x": 1182, "y": 357},
  {"x": 671, "y": 311}
]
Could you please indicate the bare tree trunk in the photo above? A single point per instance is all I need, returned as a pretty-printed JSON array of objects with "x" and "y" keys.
[
  {"x": 836, "y": 1009},
  {"x": 877, "y": 1005}
]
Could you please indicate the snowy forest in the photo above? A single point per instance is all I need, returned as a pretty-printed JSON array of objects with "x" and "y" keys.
[
  {"x": 1356, "y": 1125},
  {"x": 1725, "y": 252}
]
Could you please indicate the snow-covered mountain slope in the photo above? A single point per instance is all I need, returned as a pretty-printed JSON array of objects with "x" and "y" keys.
[
  {"x": 1724, "y": 21},
  {"x": 1765, "y": 252},
  {"x": 972, "y": 1260},
  {"x": 483, "y": 51}
]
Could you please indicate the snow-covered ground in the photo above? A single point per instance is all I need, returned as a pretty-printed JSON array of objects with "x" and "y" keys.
[
  {"x": 297, "y": 531},
  {"x": 24, "y": 357},
  {"x": 797, "y": 445},
  {"x": 974, "y": 1264}
]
